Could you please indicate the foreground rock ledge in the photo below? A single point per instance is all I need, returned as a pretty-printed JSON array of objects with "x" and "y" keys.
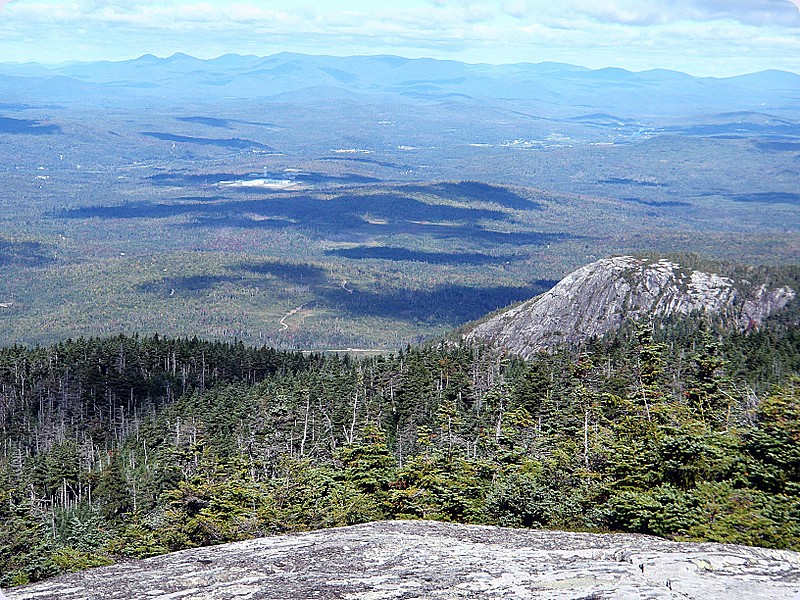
[{"x": 421, "y": 559}]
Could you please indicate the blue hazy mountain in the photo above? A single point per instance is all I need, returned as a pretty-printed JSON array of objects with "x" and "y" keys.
[{"x": 297, "y": 77}]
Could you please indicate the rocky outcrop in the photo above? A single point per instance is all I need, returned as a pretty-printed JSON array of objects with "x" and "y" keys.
[
  {"x": 418, "y": 559},
  {"x": 597, "y": 298}
]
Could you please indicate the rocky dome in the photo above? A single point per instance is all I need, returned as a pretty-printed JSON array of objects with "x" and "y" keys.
[
  {"x": 421, "y": 559},
  {"x": 597, "y": 298}
]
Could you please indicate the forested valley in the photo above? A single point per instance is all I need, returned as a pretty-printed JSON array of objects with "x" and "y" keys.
[
  {"x": 128, "y": 446},
  {"x": 287, "y": 243}
]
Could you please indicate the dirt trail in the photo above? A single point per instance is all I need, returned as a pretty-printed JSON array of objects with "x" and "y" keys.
[{"x": 294, "y": 311}]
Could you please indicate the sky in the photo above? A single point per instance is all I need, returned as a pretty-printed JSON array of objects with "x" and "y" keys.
[{"x": 701, "y": 37}]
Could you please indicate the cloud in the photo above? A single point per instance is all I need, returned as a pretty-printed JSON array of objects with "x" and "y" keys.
[
  {"x": 447, "y": 14},
  {"x": 655, "y": 12},
  {"x": 755, "y": 12}
]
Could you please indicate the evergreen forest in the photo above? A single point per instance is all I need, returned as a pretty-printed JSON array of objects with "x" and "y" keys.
[
  {"x": 129, "y": 446},
  {"x": 293, "y": 239}
]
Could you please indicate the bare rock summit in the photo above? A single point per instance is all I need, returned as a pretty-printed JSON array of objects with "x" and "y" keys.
[
  {"x": 599, "y": 297},
  {"x": 426, "y": 560}
]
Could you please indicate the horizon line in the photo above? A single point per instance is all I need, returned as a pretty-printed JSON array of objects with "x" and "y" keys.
[{"x": 385, "y": 55}]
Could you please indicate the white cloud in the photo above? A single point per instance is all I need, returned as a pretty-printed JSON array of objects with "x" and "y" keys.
[
  {"x": 754, "y": 12},
  {"x": 654, "y": 12},
  {"x": 435, "y": 13}
]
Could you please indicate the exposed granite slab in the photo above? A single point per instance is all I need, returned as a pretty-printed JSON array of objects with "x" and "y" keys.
[
  {"x": 421, "y": 559},
  {"x": 599, "y": 297}
]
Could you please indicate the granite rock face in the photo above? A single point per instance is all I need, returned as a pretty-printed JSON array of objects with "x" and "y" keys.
[
  {"x": 599, "y": 297},
  {"x": 424, "y": 560}
]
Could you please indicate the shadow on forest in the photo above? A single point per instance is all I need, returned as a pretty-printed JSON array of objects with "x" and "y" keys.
[
  {"x": 26, "y": 126},
  {"x": 245, "y": 274},
  {"x": 403, "y": 254},
  {"x": 299, "y": 273},
  {"x": 344, "y": 217},
  {"x": 634, "y": 182},
  {"x": 778, "y": 146},
  {"x": 737, "y": 129},
  {"x": 477, "y": 191},
  {"x": 194, "y": 179},
  {"x": 316, "y": 178},
  {"x": 363, "y": 231},
  {"x": 15, "y": 106},
  {"x": 208, "y": 121},
  {"x": 370, "y": 161},
  {"x": 23, "y": 254},
  {"x": 516, "y": 238},
  {"x": 657, "y": 203},
  {"x": 448, "y": 304},
  {"x": 235, "y": 143},
  {"x": 769, "y": 198},
  {"x": 192, "y": 284},
  {"x": 344, "y": 211},
  {"x": 200, "y": 198},
  {"x": 265, "y": 223}
]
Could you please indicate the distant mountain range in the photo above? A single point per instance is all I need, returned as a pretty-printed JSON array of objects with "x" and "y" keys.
[{"x": 298, "y": 77}]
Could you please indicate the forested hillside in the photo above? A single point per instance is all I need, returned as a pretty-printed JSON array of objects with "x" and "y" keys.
[
  {"x": 134, "y": 446},
  {"x": 374, "y": 211}
]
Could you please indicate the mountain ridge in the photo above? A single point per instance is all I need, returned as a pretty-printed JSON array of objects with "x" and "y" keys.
[
  {"x": 181, "y": 76},
  {"x": 601, "y": 296},
  {"x": 399, "y": 60}
]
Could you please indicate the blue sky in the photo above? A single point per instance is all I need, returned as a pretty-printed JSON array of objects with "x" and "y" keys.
[{"x": 702, "y": 37}]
